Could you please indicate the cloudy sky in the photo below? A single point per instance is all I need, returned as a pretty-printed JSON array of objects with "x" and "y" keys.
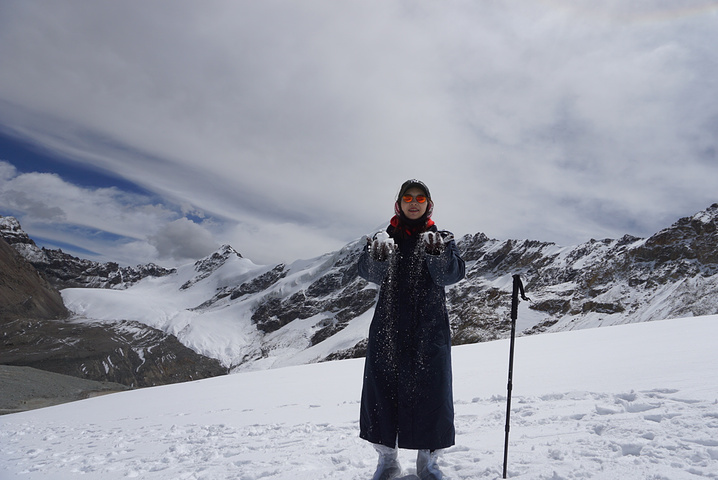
[{"x": 157, "y": 131}]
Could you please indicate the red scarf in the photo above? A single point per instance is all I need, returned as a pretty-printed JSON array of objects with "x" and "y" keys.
[{"x": 407, "y": 230}]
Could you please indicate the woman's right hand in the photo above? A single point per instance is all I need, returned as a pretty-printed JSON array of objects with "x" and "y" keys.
[{"x": 381, "y": 247}]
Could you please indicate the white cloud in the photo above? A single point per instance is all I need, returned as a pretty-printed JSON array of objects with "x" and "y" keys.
[
  {"x": 551, "y": 120},
  {"x": 47, "y": 197},
  {"x": 7, "y": 171},
  {"x": 103, "y": 220},
  {"x": 183, "y": 239},
  {"x": 268, "y": 243}
]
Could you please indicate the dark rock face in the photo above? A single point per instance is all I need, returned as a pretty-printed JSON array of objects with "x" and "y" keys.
[
  {"x": 23, "y": 292},
  {"x": 252, "y": 286},
  {"x": 128, "y": 353},
  {"x": 690, "y": 242},
  {"x": 339, "y": 295},
  {"x": 357, "y": 351}
]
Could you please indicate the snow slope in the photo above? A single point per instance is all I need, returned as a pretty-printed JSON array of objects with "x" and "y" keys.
[
  {"x": 160, "y": 303},
  {"x": 636, "y": 401},
  {"x": 224, "y": 330}
]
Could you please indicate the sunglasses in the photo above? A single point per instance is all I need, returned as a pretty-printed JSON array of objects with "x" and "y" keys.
[{"x": 410, "y": 198}]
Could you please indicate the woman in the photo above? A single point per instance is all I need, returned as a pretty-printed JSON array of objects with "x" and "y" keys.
[{"x": 407, "y": 399}]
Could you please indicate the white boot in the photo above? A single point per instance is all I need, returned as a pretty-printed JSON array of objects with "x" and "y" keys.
[
  {"x": 426, "y": 466},
  {"x": 388, "y": 467}
]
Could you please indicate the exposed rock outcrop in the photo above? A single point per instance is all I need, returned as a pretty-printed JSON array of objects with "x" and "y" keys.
[{"x": 23, "y": 292}]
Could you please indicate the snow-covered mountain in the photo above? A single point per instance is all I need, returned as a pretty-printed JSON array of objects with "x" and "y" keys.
[
  {"x": 631, "y": 402},
  {"x": 254, "y": 317},
  {"x": 35, "y": 330},
  {"x": 671, "y": 274},
  {"x": 246, "y": 315}
]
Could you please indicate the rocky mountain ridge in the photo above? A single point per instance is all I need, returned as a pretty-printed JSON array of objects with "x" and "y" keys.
[
  {"x": 319, "y": 309},
  {"x": 66, "y": 271},
  {"x": 671, "y": 274}
]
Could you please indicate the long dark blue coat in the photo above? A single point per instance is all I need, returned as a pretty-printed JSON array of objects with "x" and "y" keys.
[{"x": 407, "y": 391}]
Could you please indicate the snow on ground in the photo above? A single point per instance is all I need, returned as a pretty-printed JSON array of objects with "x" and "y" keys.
[{"x": 636, "y": 401}]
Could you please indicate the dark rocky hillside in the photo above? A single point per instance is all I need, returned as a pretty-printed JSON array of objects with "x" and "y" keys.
[
  {"x": 36, "y": 331},
  {"x": 23, "y": 292},
  {"x": 128, "y": 353}
]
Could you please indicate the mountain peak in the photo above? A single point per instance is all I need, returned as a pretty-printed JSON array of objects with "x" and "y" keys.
[
  {"x": 16, "y": 237},
  {"x": 216, "y": 259},
  {"x": 709, "y": 215},
  {"x": 12, "y": 232},
  {"x": 690, "y": 238},
  {"x": 209, "y": 264}
]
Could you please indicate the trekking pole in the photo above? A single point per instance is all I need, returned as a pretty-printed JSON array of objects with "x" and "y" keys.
[{"x": 518, "y": 287}]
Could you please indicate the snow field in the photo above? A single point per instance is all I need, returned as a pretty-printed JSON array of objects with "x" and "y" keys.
[
  {"x": 637, "y": 401},
  {"x": 225, "y": 330}
]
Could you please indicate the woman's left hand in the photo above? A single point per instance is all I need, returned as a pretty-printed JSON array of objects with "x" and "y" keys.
[{"x": 434, "y": 243}]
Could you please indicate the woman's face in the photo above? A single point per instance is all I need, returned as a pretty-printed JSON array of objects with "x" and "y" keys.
[{"x": 414, "y": 210}]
